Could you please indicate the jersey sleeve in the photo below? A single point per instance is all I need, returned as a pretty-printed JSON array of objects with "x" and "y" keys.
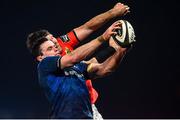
[
  {"x": 49, "y": 64},
  {"x": 70, "y": 39}
]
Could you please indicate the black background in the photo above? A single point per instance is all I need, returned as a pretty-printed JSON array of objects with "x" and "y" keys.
[{"x": 146, "y": 85}]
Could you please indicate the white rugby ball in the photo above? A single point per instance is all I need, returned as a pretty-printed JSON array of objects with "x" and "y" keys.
[{"x": 125, "y": 35}]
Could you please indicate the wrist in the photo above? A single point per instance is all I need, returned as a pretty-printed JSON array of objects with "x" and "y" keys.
[
  {"x": 112, "y": 13},
  {"x": 100, "y": 39}
]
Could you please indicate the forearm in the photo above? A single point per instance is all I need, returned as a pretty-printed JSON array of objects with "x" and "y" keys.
[
  {"x": 97, "y": 70},
  {"x": 99, "y": 20},
  {"x": 93, "y": 24},
  {"x": 111, "y": 63},
  {"x": 85, "y": 50},
  {"x": 96, "y": 22},
  {"x": 81, "y": 53}
]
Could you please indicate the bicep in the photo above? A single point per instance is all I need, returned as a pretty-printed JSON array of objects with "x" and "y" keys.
[
  {"x": 97, "y": 70},
  {"x": 82, "y": 32},
  {"x": 66, "y": 61}
]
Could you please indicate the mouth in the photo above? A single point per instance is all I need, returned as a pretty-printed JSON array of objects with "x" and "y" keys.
[{"x": 57, "y": 54}]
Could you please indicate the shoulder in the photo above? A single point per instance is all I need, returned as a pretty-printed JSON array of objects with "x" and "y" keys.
[{"x": 48, "y": 62}]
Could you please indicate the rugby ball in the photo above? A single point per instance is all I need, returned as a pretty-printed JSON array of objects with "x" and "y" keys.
[{"x": 125, "y": 36}]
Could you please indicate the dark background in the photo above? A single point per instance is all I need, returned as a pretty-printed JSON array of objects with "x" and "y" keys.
[{"x": 146, "y": 85}]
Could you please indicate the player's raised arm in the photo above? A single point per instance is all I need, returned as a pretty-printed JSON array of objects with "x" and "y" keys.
[{"x": 96, "y": 22}]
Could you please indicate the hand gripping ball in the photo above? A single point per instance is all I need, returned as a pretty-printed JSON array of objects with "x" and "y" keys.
[{"x": 125, "y": 35}]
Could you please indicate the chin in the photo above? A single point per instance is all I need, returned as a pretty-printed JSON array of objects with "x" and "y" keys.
[{"x": 57, "y": 55}]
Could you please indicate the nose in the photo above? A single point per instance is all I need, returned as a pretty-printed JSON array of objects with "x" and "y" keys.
[{"x": 55, "y": 49}]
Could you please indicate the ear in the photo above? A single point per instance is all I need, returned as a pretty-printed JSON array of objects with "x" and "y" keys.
[{"x": 39, "y": 58}]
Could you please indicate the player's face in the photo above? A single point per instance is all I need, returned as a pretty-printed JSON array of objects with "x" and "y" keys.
[
  {"x": 48, "y": 48},
  {"x": 53, "y": 39}
]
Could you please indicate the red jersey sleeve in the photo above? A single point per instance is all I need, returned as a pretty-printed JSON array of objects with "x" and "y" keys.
[
  {"x": 68, "y": 42},
  {"x": 70, "y": 39}
]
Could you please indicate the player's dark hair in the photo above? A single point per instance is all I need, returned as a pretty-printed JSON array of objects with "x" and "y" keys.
[{"x": 34, "y": 40}]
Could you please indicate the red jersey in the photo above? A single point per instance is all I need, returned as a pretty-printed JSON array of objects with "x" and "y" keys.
[{"x": 68, "y": 42}]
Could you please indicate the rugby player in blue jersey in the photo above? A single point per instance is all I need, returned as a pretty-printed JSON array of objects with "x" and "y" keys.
[{"x": 63, "y": 76}]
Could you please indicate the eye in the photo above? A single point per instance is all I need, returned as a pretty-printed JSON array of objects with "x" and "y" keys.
[{"x": 49, "y": 48}]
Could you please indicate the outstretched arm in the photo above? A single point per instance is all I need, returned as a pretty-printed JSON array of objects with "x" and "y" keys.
[
  {"x": 80, "y": 53},
  {"x": 83, "y": 51},
  {"x": 97, "y": 70},
  {"x": 93, "y": 24}
]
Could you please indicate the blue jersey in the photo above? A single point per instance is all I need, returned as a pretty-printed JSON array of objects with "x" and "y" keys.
[{"x": 65, "y": 89}]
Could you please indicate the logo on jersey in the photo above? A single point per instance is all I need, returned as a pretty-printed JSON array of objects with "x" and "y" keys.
[
  {"x": 64, "y": 38},
  {"x": 73, "y": 72},
  {"x": 67, "y": 50}
]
